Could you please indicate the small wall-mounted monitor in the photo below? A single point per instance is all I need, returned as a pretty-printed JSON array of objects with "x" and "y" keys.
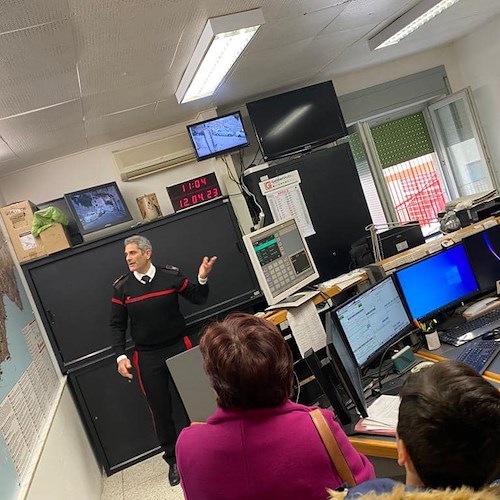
[
  {"x": 98, "y": 207},
  {"x": 218, "y": 136},
  {"x": 373, "y": 320},
  {"x": 483, "y": 250},
  {"x": 437, "y": 282},
  {"x": 297, "y": 121},
  {"x": 281, "y": 260}
]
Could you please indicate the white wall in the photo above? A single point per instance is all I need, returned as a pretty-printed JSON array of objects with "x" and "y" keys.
[
  {"x": 477, "y": 56},
  {"x": 67, "y": 468},
  {"x": 96, "y": 166}
]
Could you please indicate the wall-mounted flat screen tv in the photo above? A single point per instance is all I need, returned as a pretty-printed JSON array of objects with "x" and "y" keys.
[
  {"x": 297, "y": 121},
  {"x": 98, "y": 207},
  {"x": 218, "y": 136}
]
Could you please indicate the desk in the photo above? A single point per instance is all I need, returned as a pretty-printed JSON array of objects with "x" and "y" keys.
[
  {"x": 279, "y": 316},
  {"x": 385, "y": 447}
]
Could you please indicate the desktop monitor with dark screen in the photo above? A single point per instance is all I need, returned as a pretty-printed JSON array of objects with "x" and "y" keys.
[
  {"x": 437, "y": 282},
  {"x": 373, "y": 320},
  {"x": 483, "y": 250}
]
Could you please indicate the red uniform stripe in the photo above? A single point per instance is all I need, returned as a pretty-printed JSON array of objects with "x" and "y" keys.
[
  {"x": 130, "y": 300},
  {"x": 135, "y": 362},
  {"x": 187, "y": 342},
  {"x": 117, "y": 301},
  {"x": 184, "y": 285}
]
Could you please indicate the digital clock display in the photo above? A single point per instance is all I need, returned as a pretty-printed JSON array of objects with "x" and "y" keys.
[{"x": 194, "y": 191}]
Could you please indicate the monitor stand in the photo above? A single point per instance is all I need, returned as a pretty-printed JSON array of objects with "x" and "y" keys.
[{"x": 295, "y": 300}]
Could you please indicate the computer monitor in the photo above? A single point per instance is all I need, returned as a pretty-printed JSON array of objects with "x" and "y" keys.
[
  {"x": 99, "y": 207},
  {"x": 401, "y": 238},
  {"x": 218, "y": 136},
  {"x": 281, "y": 260},
  {"x": 437, "y": 282},
  {"x": 483, "y": 250},
  {"x": 373, "y": 320},
  {"x": 345, "y": 365}
]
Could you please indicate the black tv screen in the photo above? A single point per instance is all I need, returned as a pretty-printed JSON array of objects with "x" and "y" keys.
[
  {"x": 98, "y": 207},
  {"x": 218, "y": 135},
  {"x": 297, "y": 121}
]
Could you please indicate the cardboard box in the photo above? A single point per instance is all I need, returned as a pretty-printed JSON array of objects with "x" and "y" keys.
[
  {"x": 55, "y": 239},
  {"x": 18, "y": 218}
]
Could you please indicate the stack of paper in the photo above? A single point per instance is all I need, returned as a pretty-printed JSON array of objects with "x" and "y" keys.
[{"x": 382, "y": 416}]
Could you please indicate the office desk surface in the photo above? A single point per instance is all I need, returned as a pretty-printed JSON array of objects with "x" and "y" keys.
[
  {"x": 383, "y": 446},
  {"x": 277, "y": 317}
]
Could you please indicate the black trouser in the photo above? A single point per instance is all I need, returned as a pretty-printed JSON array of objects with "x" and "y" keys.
[{"x": 169, "y": 414}]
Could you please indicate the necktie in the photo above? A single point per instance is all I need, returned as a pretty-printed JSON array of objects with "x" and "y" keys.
[{"x": 145, "y": 279}]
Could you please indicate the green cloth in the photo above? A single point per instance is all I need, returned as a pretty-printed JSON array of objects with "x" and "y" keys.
[{"x": 43, "y": 219}]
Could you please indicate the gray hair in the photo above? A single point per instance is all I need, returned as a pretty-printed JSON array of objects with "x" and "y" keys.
[{"x": 142, "y": 242}]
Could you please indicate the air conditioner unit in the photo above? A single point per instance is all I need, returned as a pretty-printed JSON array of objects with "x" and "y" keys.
[{"x": 154, "y": 156}]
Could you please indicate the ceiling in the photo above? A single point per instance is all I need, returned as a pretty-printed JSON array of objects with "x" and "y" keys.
[{"x": 75, "y": 74}]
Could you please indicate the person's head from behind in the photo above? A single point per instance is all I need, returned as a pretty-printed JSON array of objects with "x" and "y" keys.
[
  {"x": 449, "y": 427},
  {"x": 248, "y": 362},
  {"x": 138, "y": 251}
]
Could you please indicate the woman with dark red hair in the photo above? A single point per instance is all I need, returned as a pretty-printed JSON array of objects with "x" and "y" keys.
[{"x": 258, "y": 444}]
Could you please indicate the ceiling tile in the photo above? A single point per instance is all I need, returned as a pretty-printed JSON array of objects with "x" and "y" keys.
[
  {"x": 42, "y": 129},
  {"x": 292, "y": 29},
  {"x": 120, "y": 99},
  {"x": 169, "y": 112},
  {"x": 37, "y": 68},
  {"x": 119, "y": 126},
  {"x": 17, "y": 14}
]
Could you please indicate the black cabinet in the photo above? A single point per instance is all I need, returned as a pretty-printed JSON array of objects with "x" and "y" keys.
[
  {"x": 334, "y": 197},
  {"x": 73, "y": 289},
  {"x": 115, "y": 413}
]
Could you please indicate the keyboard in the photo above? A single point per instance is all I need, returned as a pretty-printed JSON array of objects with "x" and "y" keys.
[
  {"x": 479, "y": 354},
  {"x": 472, "y": 329}
]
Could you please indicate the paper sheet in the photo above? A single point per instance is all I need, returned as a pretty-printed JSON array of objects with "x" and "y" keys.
[
  {"x": 383, "y": 412},
  {"x": 306, "y": 326},
  {"x": 344, "y": 280},
  {"x": 285, "y": 199}
]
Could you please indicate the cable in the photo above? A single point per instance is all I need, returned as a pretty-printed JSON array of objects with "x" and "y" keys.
[
  {"x": 379, "y": 377},
  {"x": 259, "y": 219},
  {"x": 298, "y": 386}
]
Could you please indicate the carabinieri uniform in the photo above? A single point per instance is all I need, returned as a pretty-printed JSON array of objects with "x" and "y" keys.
[{"x": 157, "y": 328}]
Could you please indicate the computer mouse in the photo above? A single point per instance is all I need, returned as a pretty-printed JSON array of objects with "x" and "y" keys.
[{"x": 492, "y": 334}]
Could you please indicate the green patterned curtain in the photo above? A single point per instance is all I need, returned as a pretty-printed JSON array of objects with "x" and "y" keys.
[{"x": 402, "y": 140}]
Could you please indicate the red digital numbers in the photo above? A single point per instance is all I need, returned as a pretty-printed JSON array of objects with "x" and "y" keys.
[{"x": 195, "y": 191}]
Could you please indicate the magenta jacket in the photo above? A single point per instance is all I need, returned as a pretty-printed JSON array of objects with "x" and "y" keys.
[{"x": 266, "y": 453}]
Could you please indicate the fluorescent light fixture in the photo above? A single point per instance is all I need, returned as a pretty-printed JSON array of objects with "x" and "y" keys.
[
  {"x": 409, "y": 22},
  {"x": 221, "y": 43}
]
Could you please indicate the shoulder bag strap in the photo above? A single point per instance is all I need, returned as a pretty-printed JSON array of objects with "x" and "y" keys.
[{"x": 332, "y": 447}]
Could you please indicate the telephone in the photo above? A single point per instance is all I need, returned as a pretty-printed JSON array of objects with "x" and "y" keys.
[{"x": 481, "y": 307}]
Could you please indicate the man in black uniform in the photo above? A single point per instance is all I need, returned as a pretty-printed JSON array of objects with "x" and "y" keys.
[{"x": 148, "y": 296}]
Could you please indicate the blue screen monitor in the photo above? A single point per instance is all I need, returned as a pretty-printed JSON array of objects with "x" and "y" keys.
[
  {"x": 437, "y": 282},
  {"x": 98, "y": 207},
  {"x": 373, "y": 320},
  {"x": 218, "y": 136}
]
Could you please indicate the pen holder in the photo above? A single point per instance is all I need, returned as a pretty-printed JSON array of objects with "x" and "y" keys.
[{"x": 432, "y": 340}]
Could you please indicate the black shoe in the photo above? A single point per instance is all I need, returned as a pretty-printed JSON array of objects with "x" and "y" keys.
[{"x": 173, "y": 475}]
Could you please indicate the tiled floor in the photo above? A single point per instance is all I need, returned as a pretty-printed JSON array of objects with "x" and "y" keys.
[{"x": 146, "y": 481}]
